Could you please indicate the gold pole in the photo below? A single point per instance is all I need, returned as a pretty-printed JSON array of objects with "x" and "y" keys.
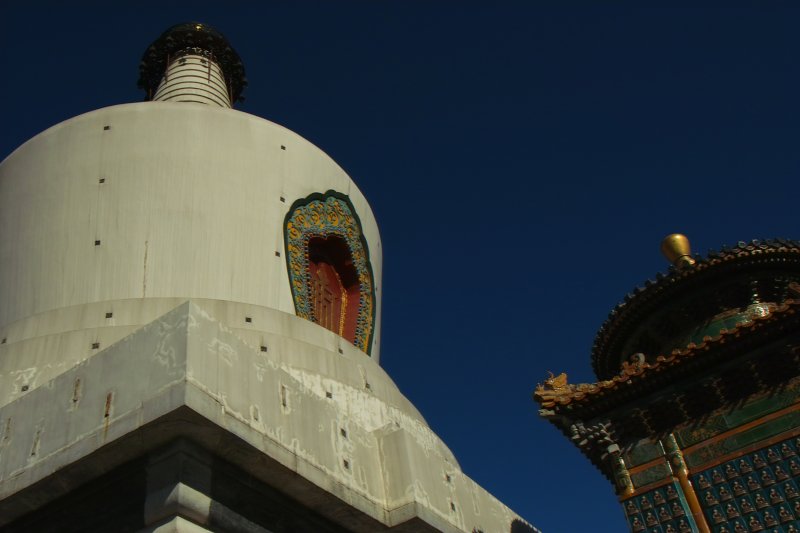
[{"x": 678, "y": 466}]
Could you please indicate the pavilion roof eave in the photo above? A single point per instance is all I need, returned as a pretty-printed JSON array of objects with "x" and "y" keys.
[{"x": 641, "y": 377}]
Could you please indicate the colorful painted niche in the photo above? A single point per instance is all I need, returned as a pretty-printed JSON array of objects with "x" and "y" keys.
[{"x": 330, "y": 274}]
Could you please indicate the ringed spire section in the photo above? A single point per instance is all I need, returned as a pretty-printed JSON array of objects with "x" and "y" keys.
[{"x": 192, "y": 62}]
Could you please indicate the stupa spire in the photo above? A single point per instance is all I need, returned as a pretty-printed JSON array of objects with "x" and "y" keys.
[{"x": 192, "y": 62}]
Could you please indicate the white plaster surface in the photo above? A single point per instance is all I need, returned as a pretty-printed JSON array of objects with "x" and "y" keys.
[
  {"x": 189, "y": 207},
  {"x": 176, "y": 525},
  {"x": 386, "y": 463}
]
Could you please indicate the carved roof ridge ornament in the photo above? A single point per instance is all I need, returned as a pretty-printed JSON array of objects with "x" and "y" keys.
[
  {"x": 733, "y": 278},
  {"x": 555, "y": 391}
]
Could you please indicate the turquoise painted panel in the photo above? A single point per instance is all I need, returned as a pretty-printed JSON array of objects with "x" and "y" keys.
[
  {"x": 651, "y": 475},
  {"x": 641, "y": 452}
]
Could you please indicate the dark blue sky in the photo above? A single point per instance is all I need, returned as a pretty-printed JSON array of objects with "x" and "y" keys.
[{"x": 523, "y": 160}]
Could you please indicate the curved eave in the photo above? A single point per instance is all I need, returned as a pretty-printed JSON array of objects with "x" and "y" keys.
[
  {"x": 645, "y": 301},
  {"x": 651, "y": 399},
  {"x": 638, "y": 380}
]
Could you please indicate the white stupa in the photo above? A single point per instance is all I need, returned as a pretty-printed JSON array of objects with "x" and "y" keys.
[{"x": 190, "y": 323}]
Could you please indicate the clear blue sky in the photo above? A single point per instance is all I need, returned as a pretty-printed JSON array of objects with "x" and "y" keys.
[{"x": 523, "y": 160}]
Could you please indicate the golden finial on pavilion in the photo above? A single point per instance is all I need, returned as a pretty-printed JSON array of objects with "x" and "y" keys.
[{"x": 676, "y": 249}]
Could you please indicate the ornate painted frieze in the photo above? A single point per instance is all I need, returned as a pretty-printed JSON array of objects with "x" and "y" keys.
[
  {"x": 326, "y": 253},
  {"x": 741, "y": 439},
  {"x": 651, "y": 475},
  {"x": 759, "y": 405}
]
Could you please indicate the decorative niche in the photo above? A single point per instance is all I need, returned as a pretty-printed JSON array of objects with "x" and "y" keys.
[{"x": 330, "y": 274}]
